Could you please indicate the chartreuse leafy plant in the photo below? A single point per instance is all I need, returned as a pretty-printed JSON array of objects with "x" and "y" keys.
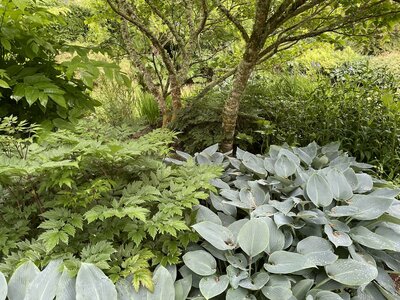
[
  {"x": 34, "y": 84},
  {"x": 298, "y": 223},
  {"x": 88, "y": 198}
]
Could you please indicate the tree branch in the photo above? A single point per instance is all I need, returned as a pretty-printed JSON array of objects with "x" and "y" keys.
[{"x": 233, "y": 20}]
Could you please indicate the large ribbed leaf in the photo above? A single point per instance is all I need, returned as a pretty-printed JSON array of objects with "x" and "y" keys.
[
  {"x": 163, "y": 286},
  {"x": 372, "y": 240},
  {"x": 21, "y": 279},
  {"x": 284, "y": 262},
  {"x": 3, "y": 287},
  {"x": 340, "y": 187},
  {"x": 93, "y": 284},
  {"x": 218, "y": 236},
  {"x": 45, "y": 284},
  {"x": 212, "y": 286},
  {"x": 183, "y": 287},
  {"x": 318, "y": 190},
  {"x": 370, "y": 207},
  {"x": 318, "y": 250},
  {"x": 253, "y": 238},
  {"x": 351, "y": 272},
  {"x": 66, "y": 287},
  {"x": 200, "y": 262}
]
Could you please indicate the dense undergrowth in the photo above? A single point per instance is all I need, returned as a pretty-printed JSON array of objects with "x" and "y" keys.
[
  {"x": 354, "y": 104},
  {"x": 91, "y": 197}
]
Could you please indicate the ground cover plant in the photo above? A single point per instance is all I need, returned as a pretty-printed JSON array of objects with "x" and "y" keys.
[
  {"x": 297, "y": 223},
  {"x": 86, "y": 198}
]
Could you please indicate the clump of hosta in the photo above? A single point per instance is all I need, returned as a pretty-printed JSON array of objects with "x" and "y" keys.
[{"x": 299, "y": 223}]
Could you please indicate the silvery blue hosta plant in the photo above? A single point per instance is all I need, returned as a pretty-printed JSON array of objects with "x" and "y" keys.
[{"x": 299, "y": 223}]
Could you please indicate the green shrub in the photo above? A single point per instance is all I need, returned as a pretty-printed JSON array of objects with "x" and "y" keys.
[
  {"x": 324, "y": 56},
  {"x": 298, "y": 223},
  {"x": 355, "y": 104},
  {"x": 97, "y": 199},
  {"x": 117, "y": 102}
]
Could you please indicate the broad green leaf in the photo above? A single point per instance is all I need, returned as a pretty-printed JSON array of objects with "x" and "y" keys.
[
  {"x": 93, "y": 284},
  {"x": 277, "y": 293},
  {"x": 372, "y": 240},
  {"x": 276, "y": 237},
  {"x": 200, "y": 262},
  {"x": 338, "y": 238},
  {"x": 327, "y": 295},
  {"x": 66, "y": 287},
  {"x": 44, "y": 286},
  {"x": 3, "y": 287},
  {"x": 183, "y": 287},
  {"x": 4, "y": 84},
  {"x": 218, "y": 236},
  {"x": 239, "y": 294},
  {"x": 254, "y": 163},
  {"x": 205, "y": 214},
  {"x": 301, "y": 288},
  {"x": 351, "y": 272},
  {"x": 236, "y": 275},
  {"x": 318, "y": 190},
  {"x": 284, "y": 167},
  {"x": 317, "y": 250},
  {"x": 256, "y": 282},
  {"x": 237, "y": 260},
  {"x": 21, "y": 279},
  {"x": 284, "y": 262},
  {"x": 125, "y": 290},
  {"x": 339, "y": 185},
  {"x": 365, "y": 183},
  {"x": 370, "y": 207},
  {"x": 163, "y": 286},
  {"x": 212, "y": 286},
  {"x": 253, "y": 238}
]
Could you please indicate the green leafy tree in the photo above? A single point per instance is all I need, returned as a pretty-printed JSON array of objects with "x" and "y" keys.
[{"x": 33, "y": 84}]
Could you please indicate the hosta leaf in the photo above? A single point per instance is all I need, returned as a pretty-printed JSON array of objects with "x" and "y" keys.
[
  {"x": 218, "y": 236},
  {"x": 200, "y": 262},
  {"x": 66, "y": 287},
  {"x": 318, "y": 190},
  {"x": 253, "y": 238},
  {"x": 21, "y": 279},
  {"x": 205, "y": 214},
  {"x": 237, "y": 260},
  {"x": 93, "y": 284},
  {"x": 3, "y": 287},
  {"x": 239, "y": 294},
  {"x": 254, "y": 163},
  {"x": 163, "y": 286},
  {"x": 236, "y": 275},
  {"x": 277, "y": 293},
  {"x": 317, "y": 250},
  {"x": 301, "y": 288},
  {"x": 44, "y": 286},
  {"x": 351, "y": 272},
  {"x": 284, "y": 166},
  {"x": 338, "y": 238},
  {"x": 370, "y": 207},
  {"x": 256, "y": 282},
  {"x": 365, "y": 183},
  {"x": 276, "y": 237},
  {"x": 212, "y": 286},
  {"x": 284, "y": 262},
  {"x": 183, "y": 287},
  {"x": 372, "y": 240},
  {"x": 339, "y": 185},
  {"x": 327, "y": 295}
]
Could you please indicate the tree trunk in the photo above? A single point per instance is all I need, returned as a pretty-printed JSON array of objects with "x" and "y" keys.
[
  {"x": 176, "y": 95},
  {"x": 232, "y": 103}
]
